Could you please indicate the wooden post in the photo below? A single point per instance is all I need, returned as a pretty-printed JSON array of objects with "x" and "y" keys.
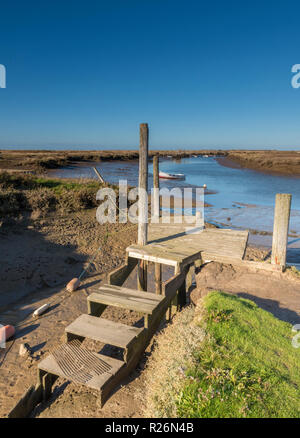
[
  {"x": 156, "y": 211},
  {"x": 281, "y": 228},
  {"x": 156, "y": 206},
  {"x": 143, "y": 203},
  {"x": 99, "y": 175}
]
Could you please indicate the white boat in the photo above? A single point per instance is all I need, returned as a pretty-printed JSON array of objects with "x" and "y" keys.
[{"x": 166, "y": 175}]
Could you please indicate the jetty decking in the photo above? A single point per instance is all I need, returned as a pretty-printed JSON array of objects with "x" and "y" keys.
[{"x": 181, "y": 244}]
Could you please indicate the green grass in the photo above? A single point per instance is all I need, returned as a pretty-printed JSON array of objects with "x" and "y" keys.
[
  {"x": 246, "y": 366},
  {"x": 59, "y": 185},
  {"x": 21, "y": 193}
]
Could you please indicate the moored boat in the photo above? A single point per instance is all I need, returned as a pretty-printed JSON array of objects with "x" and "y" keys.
[{"x": 166, "y": 175}]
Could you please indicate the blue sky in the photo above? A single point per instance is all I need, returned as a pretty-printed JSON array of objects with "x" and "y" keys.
[{"x": 202, "y": 74}]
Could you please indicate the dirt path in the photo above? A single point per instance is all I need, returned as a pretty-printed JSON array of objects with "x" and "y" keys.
[{"x": 278, "y": 293}]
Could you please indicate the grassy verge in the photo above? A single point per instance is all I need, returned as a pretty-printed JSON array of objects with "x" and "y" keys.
[{"x": 243, "y": 366}]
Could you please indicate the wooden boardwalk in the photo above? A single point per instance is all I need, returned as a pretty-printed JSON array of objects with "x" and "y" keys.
[{"x": 180, "y": 244}]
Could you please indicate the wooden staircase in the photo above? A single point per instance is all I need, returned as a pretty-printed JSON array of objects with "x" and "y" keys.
[
  {"x": 77, "y": 364},
  {"x": 182, "y": 251}
]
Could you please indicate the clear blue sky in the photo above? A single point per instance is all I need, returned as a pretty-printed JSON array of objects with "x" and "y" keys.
[{"x": 202, "y": 74}]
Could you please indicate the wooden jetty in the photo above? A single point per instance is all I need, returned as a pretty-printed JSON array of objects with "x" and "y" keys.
[{"x": 170, "y": 244}]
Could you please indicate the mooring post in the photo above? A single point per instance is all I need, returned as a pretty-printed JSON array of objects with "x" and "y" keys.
[
  {"x": 143, "y": 203},
  {"x": 156, "y": 211},
  {"x": 281, "y": 228}
]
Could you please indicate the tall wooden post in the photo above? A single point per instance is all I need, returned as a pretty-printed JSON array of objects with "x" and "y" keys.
[
  {"x": 156, "y": 208},
  {"x": 281, "y": 228},
  {"x": 143, "y": 203}
]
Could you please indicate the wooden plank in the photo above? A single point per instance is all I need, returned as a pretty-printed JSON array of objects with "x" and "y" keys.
[
  {"x": 49, "y": 365},
  {"x": 110, "y": 295},
  {"x": 103, "y": 330},
  {"x": 170, "y": 287},
  {"x": 172, "y": 250},
  {"x": 158, "y": 273},
  {"x": 99, "y": 175},
  {"x": 120, "y": 275},
  {"x": 164, "y": 255},
  {"x": 281, "y": 228}
]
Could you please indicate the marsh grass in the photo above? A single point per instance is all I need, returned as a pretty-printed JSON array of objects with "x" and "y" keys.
[{"x": 21, "y": 193}]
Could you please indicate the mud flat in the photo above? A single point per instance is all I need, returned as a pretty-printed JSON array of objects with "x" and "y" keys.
[{"x": 276, "y": 162}]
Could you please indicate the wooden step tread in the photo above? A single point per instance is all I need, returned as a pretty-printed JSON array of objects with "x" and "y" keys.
[
  {"x": 75, "y": 366},
  {"x": 111, "y": 295},
  {"x": 103, "y": 330},
  {"x": 166, "y": 254}
]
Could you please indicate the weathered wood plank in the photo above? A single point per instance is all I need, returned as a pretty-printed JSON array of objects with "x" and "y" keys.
[
  {"x": 158, "y": 273},
  {"x": 170, "y": 287},
  {"x": 119, "y": 275},
  {"x": 103, "y": 330},
  {"x": 49, "y": 365},
  {"x": 110, "y": 295},
  {"x": 164, "y": 255}
]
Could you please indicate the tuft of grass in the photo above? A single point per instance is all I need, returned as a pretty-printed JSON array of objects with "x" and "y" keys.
[{"x": 245, "y": 365}]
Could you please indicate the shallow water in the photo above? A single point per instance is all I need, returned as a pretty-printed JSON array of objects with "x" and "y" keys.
[{"x": 241, "y": 198}]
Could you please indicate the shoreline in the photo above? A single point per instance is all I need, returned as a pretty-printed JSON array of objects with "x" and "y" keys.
[
  {"x": 42, "y": 161},
  {"x": 284, "y": 163}
]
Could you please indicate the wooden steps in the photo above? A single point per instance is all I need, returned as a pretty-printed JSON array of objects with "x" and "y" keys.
[
  {"x": 175, "y": 245},
  {"x": 73, "y": 362},
  {"x": 105, "y": 331},
  {"x": 81, "y": 366},
  {"x": 111, "y": 295}
]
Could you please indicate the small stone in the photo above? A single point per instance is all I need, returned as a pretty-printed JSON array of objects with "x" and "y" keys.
[{"x": 24, "y": 350}]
